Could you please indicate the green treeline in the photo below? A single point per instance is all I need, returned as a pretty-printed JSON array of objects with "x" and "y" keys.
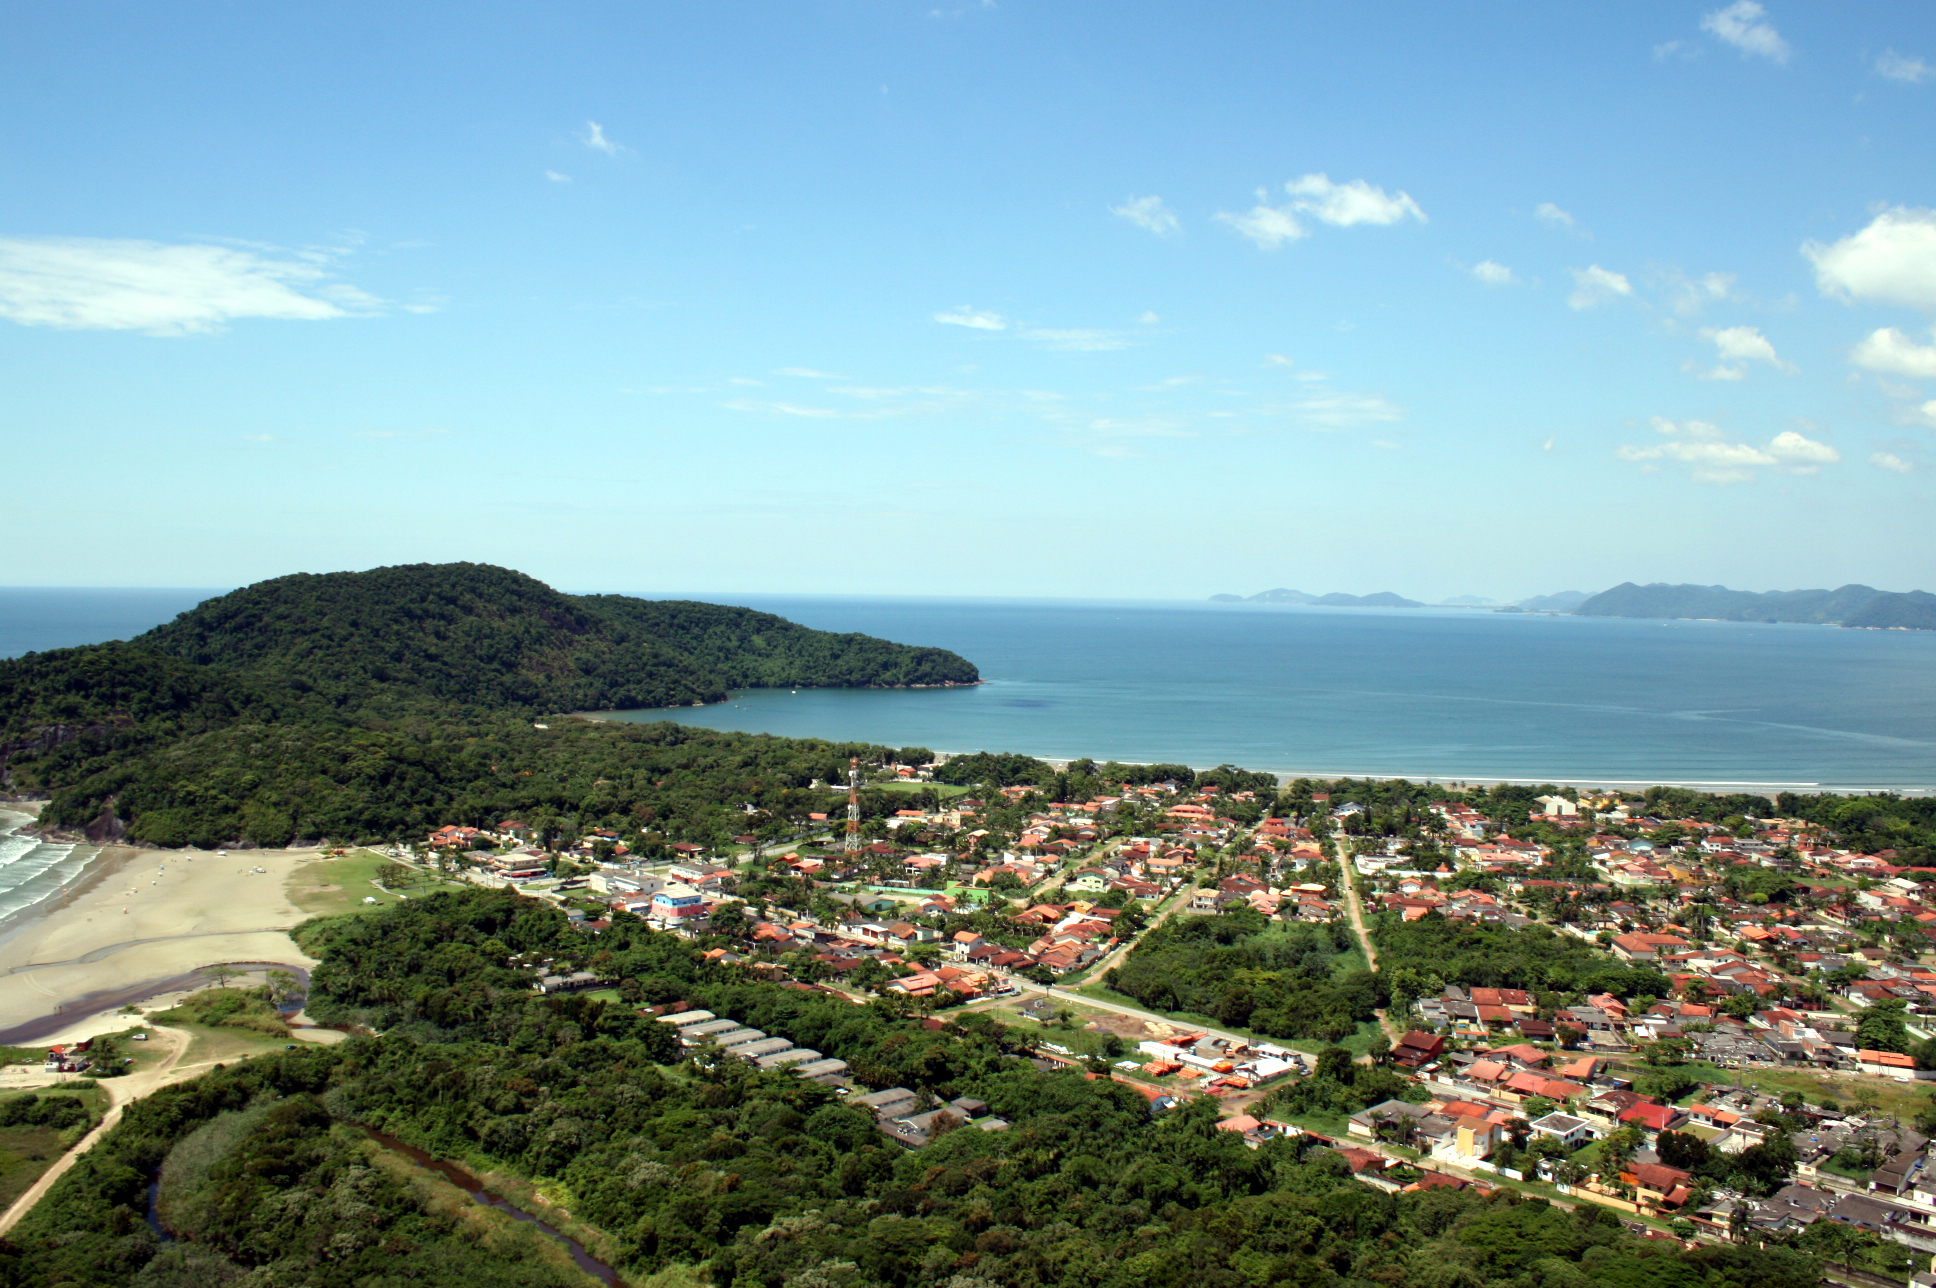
[
  {"x": 1239, "y": 969},
  {"x": 756, "y": 1179}
]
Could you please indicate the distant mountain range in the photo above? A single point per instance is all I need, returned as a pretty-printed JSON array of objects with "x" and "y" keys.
[
  {"x": 1860, "y": 606},
  {"x": 1565, "y": 601},
  {"x": 1383, "y": 599}
]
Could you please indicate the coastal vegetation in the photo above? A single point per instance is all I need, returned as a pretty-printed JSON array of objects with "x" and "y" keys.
[
  {"x": 356, "y": 705},
  {"x": 711, "y": 1168}
]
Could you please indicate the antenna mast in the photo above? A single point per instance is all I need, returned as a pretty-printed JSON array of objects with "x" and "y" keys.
[{"x": 852, "y": 844}]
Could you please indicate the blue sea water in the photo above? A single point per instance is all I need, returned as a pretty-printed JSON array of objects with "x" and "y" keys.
[
  {"x": 1425, "y": 693},
  {"x": 1421, "y": 693},
  {"x": 36, "y": 618}
]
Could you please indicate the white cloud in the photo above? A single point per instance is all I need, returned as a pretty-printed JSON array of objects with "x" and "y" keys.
[
  {"x": 1339, "y": 204},
  {"x": 1893, "y": 260},
  {"x": 1896, "y": 67},
  {"x": 555, "y": 177},
  {"x": 594, "y": 138},
  {"x": 1149, "y": 319},
  {"x": 1718, "y": 373},
  {"x": 817, "y": 413},
  {"x": 1802, "y": 455},
  {"x": 1891, "y": 462},
  {"x": 1689, "y": 295},
  {"x": 1741, "y": 25},
  {"x": 1705, "y": 447},
  {"x": 1596, "y": 285},
  {"x": 1493, "y": 274},
  {"x": 1332, "y": 410},
  {"x": 1277, "y": 360},
  {"x": 1741, "y": 344},
  {"x": 1345, "y": 204},
  {"x": 977, "y": 319},
  {"x": 1888, "y": 349},
  {"x": 88, "y": 283},
  {"x": 1076, "y": 340},
  {"x": 1268, "y": 226},
  {"x": 1548, "y": 213},
  {"x": 1149, "y": 213}
]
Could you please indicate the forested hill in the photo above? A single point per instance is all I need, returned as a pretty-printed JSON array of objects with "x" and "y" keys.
[
  {"x": 488, "y": 637},
  {"x": 1851, "y": 605},
  {"x": 264, "y": 703}
]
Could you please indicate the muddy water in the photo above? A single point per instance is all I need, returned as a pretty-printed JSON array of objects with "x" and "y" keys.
[{"x": 464, "y": 1181}]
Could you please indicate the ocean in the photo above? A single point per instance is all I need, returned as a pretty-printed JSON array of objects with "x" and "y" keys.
[
  {"x": 1442, "y": 694},
  {"x": 32, "y": 869}
]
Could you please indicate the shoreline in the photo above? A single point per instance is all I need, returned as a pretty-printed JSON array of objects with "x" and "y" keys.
[
  {"x": 104, "y": 943},
  {"x": 1284, "y": 776}
]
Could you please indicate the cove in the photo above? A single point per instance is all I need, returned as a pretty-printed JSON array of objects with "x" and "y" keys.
[{"x": 464, "y": 1181}]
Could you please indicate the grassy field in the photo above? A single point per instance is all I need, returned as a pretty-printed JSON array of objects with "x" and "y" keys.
[
  {"x": 1357, "y": 1043},
  {"x": 946, "y": 791},
  {"x": 26, "y": 1152},
  {"x": 323, "y": 887},
  {"x": 1903, "y": 1099}
]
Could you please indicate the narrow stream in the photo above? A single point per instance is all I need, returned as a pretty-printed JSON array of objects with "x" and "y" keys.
[{"x": 464, "y": 1181}]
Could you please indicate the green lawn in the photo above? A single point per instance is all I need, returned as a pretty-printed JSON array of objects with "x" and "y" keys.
[
  {"x": 946, "y": 791},
  {"x": 323, "y": 887},
  {"x": 1357, "y": 1043}
]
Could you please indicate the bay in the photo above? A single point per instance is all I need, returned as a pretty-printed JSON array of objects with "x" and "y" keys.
[{"x": 1421, "y": 693}]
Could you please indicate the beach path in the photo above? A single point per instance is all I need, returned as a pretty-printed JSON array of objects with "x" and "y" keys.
[{"x": 122, "y": 1092}]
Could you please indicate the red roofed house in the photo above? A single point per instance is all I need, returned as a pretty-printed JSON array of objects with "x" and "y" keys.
[
  {"x": 1654, "y": 1119},
  {"x": 1416, "y": 1048},
  {"x": 1657, "y": 1187}
]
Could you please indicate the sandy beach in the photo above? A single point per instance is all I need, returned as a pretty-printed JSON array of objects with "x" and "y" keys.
[{"x": 142, "y": 922}]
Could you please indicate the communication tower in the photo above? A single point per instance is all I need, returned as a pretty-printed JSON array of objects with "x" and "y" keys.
[{"x": 852, "y": 844}]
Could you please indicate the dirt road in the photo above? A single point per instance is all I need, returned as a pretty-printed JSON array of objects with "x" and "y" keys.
[
  {"x": 122, "y": 1092},
  {"x": 1355, "y": 911}
]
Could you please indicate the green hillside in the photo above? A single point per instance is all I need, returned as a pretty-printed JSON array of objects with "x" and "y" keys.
[
  {"x": 1852, "y": 605},
  {"x": 252, "y": 705}
]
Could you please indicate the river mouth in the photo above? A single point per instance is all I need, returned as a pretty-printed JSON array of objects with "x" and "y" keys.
[{"x": 475, "y": 1188}]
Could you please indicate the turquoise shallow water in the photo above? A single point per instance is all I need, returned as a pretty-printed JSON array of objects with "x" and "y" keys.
[{"x": 1425, "y": 693}]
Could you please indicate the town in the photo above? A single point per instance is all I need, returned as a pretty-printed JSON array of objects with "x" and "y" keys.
[{"x": 1702, "y": 1013}]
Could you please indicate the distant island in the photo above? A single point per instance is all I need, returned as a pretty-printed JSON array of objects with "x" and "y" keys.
[
  {"x": 1564, "y": 601},
  {"x": 1854, "y": 605},
  {"x": 1857, "y": 606},
  {"x": 1383, "y": 599}
]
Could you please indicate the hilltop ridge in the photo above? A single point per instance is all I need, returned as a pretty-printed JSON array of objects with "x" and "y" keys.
[{"x": 1852, "y": 605}]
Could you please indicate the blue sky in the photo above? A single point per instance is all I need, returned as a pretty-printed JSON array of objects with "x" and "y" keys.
[{"x": 1079, "y": 299}]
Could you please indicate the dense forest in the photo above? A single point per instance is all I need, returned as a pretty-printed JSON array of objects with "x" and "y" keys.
[
  {"x": 1240, "y": 969},
  {"x": 353, "y": 704},
  {"x": 266, "y": 1173}
]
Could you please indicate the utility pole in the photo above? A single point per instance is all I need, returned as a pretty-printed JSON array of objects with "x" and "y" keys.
[{"x": 852, "y": 844}]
